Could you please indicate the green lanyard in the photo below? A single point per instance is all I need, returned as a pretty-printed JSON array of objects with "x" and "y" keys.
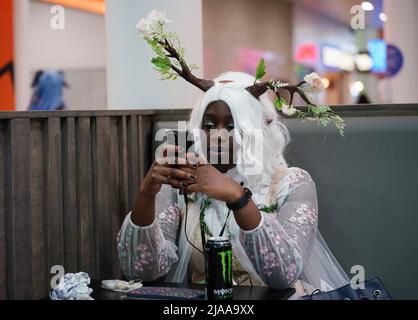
[{"x": 203, "y": 207}]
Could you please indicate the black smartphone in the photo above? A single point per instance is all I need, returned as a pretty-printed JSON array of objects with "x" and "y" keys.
[{"x": 181, "y": 138}]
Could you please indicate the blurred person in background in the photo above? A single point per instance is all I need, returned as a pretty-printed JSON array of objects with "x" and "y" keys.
[{"x": 48, "y": 91}]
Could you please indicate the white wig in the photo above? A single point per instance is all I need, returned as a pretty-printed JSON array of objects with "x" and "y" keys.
[{"x": 249, "y": 115}]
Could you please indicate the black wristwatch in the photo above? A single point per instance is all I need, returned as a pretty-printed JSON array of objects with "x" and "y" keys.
[{"x": 241, "y": 203}]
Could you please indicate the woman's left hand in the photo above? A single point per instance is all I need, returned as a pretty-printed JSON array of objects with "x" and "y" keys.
[{"x": 216, "y": 185}]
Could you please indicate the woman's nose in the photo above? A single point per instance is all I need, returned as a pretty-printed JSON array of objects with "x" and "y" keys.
[{"x": 219, "y": 136}]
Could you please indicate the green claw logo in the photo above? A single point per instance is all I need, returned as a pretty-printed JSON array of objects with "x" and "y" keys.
[{"x": 226, "y": 261}]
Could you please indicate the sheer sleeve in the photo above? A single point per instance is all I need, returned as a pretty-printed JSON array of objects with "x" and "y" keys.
[
  {"x": 147, "y": 253},
  {"x": 282, "y": 242}
]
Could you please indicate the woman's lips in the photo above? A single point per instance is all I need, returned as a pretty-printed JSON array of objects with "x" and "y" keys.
[{"x": 217, "y": 152}]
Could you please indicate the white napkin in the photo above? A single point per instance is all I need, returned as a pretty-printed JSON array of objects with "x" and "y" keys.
[
  {"x": 73, "y": 286},
  {"x": 121, "y": 286}
]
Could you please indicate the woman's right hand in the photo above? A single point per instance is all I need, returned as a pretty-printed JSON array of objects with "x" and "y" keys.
[{"x": 163, "y": 171}]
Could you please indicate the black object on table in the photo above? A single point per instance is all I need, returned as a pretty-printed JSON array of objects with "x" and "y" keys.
[{"x": 240, "y": 292}]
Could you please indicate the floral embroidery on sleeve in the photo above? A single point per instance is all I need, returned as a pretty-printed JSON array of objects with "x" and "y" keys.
[
  {"x": 147, "y": 253},
  {"x": 145, "y": 259},
  {"x": 297, "y": 176},
  {"x": 169, "y": 220},
  {"x": 280, "y": 246},
  {"x": 303, "y": 222}
]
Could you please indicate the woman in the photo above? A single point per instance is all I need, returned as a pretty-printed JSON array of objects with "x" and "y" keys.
[{"x": 274, "y": 236}]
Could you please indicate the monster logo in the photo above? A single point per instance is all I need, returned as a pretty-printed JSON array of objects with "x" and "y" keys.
[{"x": 226, "y": 262}]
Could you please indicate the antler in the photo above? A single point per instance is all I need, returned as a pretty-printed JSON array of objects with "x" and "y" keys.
[
  {"x": 185, "y": 71},
  {"x": 259, "y": 89}
]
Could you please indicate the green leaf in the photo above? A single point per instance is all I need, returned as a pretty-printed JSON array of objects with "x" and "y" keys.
[
  {"x": 158, "y": 49},
  {"x": 279, "y": 102},
  {"x": 161, "y": 63},
  {"x": 150, "y": 41},
  {"x": 261, "y": 70},
  {"x": 270, "y": 209},
  {"x": 155, "y": 46},
  {"x": 320, "y": 110}
]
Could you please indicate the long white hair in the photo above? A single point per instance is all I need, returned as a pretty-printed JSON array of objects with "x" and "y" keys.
[{"x": 250, "y": 115}]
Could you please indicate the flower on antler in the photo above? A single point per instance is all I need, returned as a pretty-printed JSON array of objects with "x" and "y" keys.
[
  {"x": 169, "y": 61},
  {"x": 152, "y": 24},
  {"x": 315, "y": 82},
  {"x": 312, "y": 83}
]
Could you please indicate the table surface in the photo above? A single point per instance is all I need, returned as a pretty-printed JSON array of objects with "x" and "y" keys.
[{"x": 240, "y": 292}]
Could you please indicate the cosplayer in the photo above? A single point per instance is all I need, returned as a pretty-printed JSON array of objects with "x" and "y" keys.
[{"x": 268, "y": 210}]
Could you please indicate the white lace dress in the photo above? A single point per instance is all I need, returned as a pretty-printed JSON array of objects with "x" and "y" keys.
[{"x": 273, "y": 254}]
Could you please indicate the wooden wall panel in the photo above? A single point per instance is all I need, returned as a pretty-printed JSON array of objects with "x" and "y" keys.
[
  {"x": 18, "y": 193},
  {"x": 38, "y": 202},
  {"x": 67, "y": 181},
  {"x": 85, "y": 197},
  {"x": 3, "y": 236}
]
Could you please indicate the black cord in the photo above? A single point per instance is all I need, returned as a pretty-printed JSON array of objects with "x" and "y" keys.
[
  {"x": 226, "y": 220},
  {"x": 242, "y": 281},
  {"x": 186, "y": 200},
  {"x": 247, "y": 278},
  {"x": 227, "y": 217}
]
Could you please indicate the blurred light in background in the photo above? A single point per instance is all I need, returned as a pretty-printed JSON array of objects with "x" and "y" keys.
[
  {"x": 383, "y": 17},
  {"x": 357, "y": 88},
  {"x": 367, "y": 6},
  {"x": 378, "y": 52},
  {"x": 338, "y": 59},
  {"x": 326, "y": 83},
  {"x": 307, "y": 53},
  {"x": 364, "y": 62},
  {"x": 93, "y": 6}
]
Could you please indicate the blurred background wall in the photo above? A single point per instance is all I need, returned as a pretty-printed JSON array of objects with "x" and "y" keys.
[
  {"x": 6, "y": 56},
  {"x": 79, "y": 50},
  {"x": 132, "y": 81},
  {"x": 106, "y": 63},
  {"x": 237, "y": 33}
]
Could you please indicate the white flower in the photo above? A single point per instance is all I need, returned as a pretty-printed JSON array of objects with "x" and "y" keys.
[
  {"x": 289, "y": 111},
  {"x": 144, "y": 27},
  {"x": 315, "y": 82},
  {"x": 157, "y": 17},
  {"x": 151, "y": 23}
]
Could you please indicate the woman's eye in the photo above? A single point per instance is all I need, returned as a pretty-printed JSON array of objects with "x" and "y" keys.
[
  {"x": 230, "y": 127},
  {"x": 209, "y": 125}
]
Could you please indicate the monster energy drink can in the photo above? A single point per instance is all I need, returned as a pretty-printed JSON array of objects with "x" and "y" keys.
[{"x": 218, "y": 254}]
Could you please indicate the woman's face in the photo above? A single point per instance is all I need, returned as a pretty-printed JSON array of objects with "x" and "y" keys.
[{"x": 218, "y": 125}]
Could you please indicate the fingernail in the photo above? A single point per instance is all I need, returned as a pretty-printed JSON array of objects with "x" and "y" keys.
[{"x": 194, "y": 177}]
